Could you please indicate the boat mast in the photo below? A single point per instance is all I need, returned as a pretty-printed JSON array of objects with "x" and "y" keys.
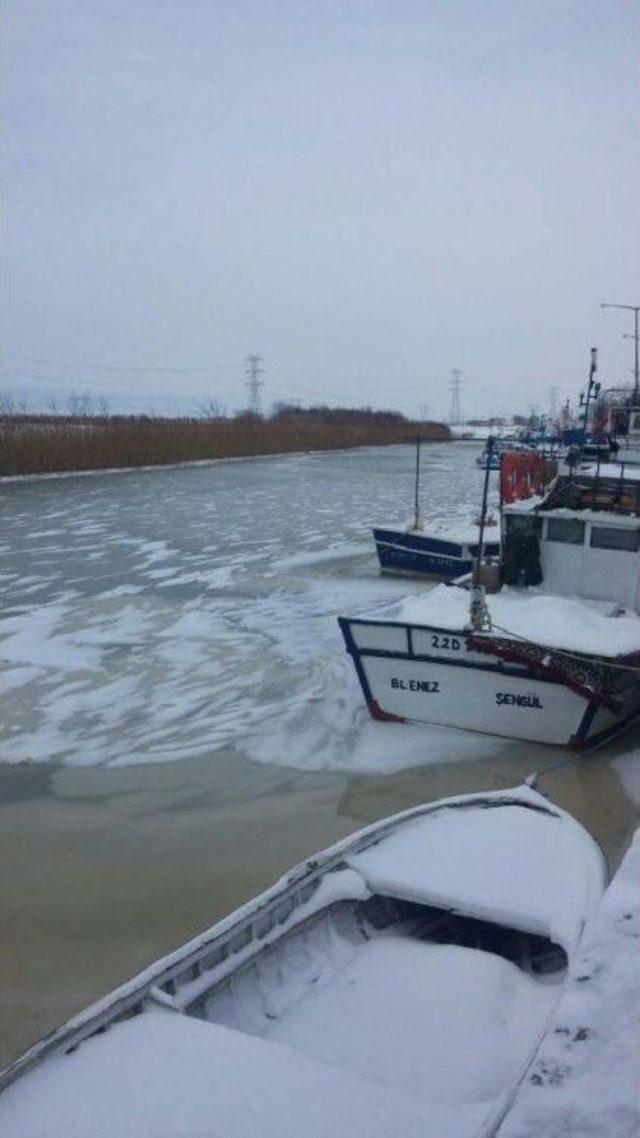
[
  {"x": 417, "y": 518},
  {"x": 479, "y": 613},
  {"x": 593, "y": 388}
]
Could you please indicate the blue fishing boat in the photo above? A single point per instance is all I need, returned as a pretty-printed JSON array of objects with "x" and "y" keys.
[{"x": 445, "y": 547}]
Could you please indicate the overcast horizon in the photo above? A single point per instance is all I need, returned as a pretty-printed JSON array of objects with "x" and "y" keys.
[{"x": 367, "y": 193}]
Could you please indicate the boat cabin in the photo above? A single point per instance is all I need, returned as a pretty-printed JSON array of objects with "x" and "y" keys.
[{"x": 582, "y": 539}]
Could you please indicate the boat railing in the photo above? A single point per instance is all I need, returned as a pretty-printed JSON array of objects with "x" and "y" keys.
[{"x": 616, "y": 493}]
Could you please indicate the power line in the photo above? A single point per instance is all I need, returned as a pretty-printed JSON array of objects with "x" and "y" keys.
[
  {"x": 254, "y": 383},
  {"x": 455, "y": 384},
  {"x": 20, "y": 375},
  {"x": 109, "y": 367}
]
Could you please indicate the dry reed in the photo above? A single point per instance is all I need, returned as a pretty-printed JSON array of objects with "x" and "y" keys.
[{"x": 39, "y": 444}]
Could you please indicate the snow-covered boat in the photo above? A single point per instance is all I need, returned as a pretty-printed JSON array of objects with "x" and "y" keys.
[
  {"x": 557, "y": 670},
  {"x": 443, "y": 548},
  {"x": 397, "y": 983},
  {"x": 560, "y": 666}
]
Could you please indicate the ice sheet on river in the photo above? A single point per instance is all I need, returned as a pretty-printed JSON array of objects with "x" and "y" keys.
[{"x": 169, "y": 614}]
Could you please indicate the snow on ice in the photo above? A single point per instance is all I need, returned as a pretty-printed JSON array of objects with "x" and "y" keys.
[
  {"x": 169, "y": 614},
  {"x": 585, "y": 1079}
]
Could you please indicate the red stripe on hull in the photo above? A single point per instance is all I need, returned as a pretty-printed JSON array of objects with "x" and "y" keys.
[{"x": 376, "y": 712}]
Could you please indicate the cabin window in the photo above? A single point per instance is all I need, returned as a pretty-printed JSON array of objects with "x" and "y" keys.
[
  {"x": 608, "y": 537},
  {"x": 568, "y": 530},
  {"x": 636, "y": 422}
]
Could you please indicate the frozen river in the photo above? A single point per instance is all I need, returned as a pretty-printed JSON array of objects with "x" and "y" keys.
[
  {"x": 182, "y": 722},
  {"x": 163, "y": 615}
]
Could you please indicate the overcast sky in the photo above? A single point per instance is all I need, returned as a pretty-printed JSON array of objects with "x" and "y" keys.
[{"x": 369, "y": 193}]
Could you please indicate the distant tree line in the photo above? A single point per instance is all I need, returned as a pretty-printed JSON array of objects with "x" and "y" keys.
[{"x": 325, "y": 414}]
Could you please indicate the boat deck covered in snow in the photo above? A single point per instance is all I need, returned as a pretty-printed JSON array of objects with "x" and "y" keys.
[
  {"x": 560, "y": 666},
  {"x": 398, "y": 983},
  {"x": 551, "y": 668}
]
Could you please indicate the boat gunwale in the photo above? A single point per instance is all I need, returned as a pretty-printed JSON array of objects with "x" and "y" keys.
[
  {"x": 464, "y": 546},
  {"x": 408, "y": 626}
]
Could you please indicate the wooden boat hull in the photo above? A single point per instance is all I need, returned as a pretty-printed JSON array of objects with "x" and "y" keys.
[
  {"x": 215, "y": 1035},
  {"x": 427, "y": 674}
]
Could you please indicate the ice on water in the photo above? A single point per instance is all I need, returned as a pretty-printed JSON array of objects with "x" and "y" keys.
[{"x": 168, "y": 614}]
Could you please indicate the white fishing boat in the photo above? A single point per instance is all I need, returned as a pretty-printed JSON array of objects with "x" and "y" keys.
[
  {"x": 553, "y": 669},
  {"x": 559, "y": 665},
  {"x": 397, "y": 983}
]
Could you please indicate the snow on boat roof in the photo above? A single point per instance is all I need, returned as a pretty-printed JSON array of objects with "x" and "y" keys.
[
  {"x": 459, "y": 530},
  {"x": 613, "y": 470},
  {"x": 511, "y": 865},
  {"x": 162, "y": 1073},
  {"x": 572, "y": 623},
  {"x": 599, "y": 517},
  {"x": 524, "y": 505}
]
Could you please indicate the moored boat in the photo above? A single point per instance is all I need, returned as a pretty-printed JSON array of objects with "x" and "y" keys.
[
  {"x": 560, "y": 666},
  {"x": 398, "y": 982},
  {"x": 445, "y": 548},
  {"x": 557, "y": 670}
]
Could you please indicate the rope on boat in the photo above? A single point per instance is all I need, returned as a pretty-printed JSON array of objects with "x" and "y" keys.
[{"x": 532, "y": 779}]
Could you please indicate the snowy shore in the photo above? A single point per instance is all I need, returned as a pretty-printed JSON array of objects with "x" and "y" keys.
[{"x": 585, "y": 1078}]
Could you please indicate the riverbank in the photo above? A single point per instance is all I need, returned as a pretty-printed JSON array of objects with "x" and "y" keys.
[
  {"x": 584, "y": 1079},
  {"x": 48, "y": 445}
]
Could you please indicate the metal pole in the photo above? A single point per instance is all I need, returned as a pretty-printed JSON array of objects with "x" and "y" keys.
[
  {"x": 636, "y": 357},
  {"x": 416, "y": 506},
  {"x": 635, "y": 308},
  {"x": 592, "y": 371},
  {"x": 483, "y": 515}
]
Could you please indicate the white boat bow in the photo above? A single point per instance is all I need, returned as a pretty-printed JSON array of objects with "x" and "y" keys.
[{"x": 399, "y": 982}]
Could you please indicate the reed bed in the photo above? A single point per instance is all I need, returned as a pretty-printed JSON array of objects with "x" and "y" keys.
[{"x": 45, "y": 444}]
